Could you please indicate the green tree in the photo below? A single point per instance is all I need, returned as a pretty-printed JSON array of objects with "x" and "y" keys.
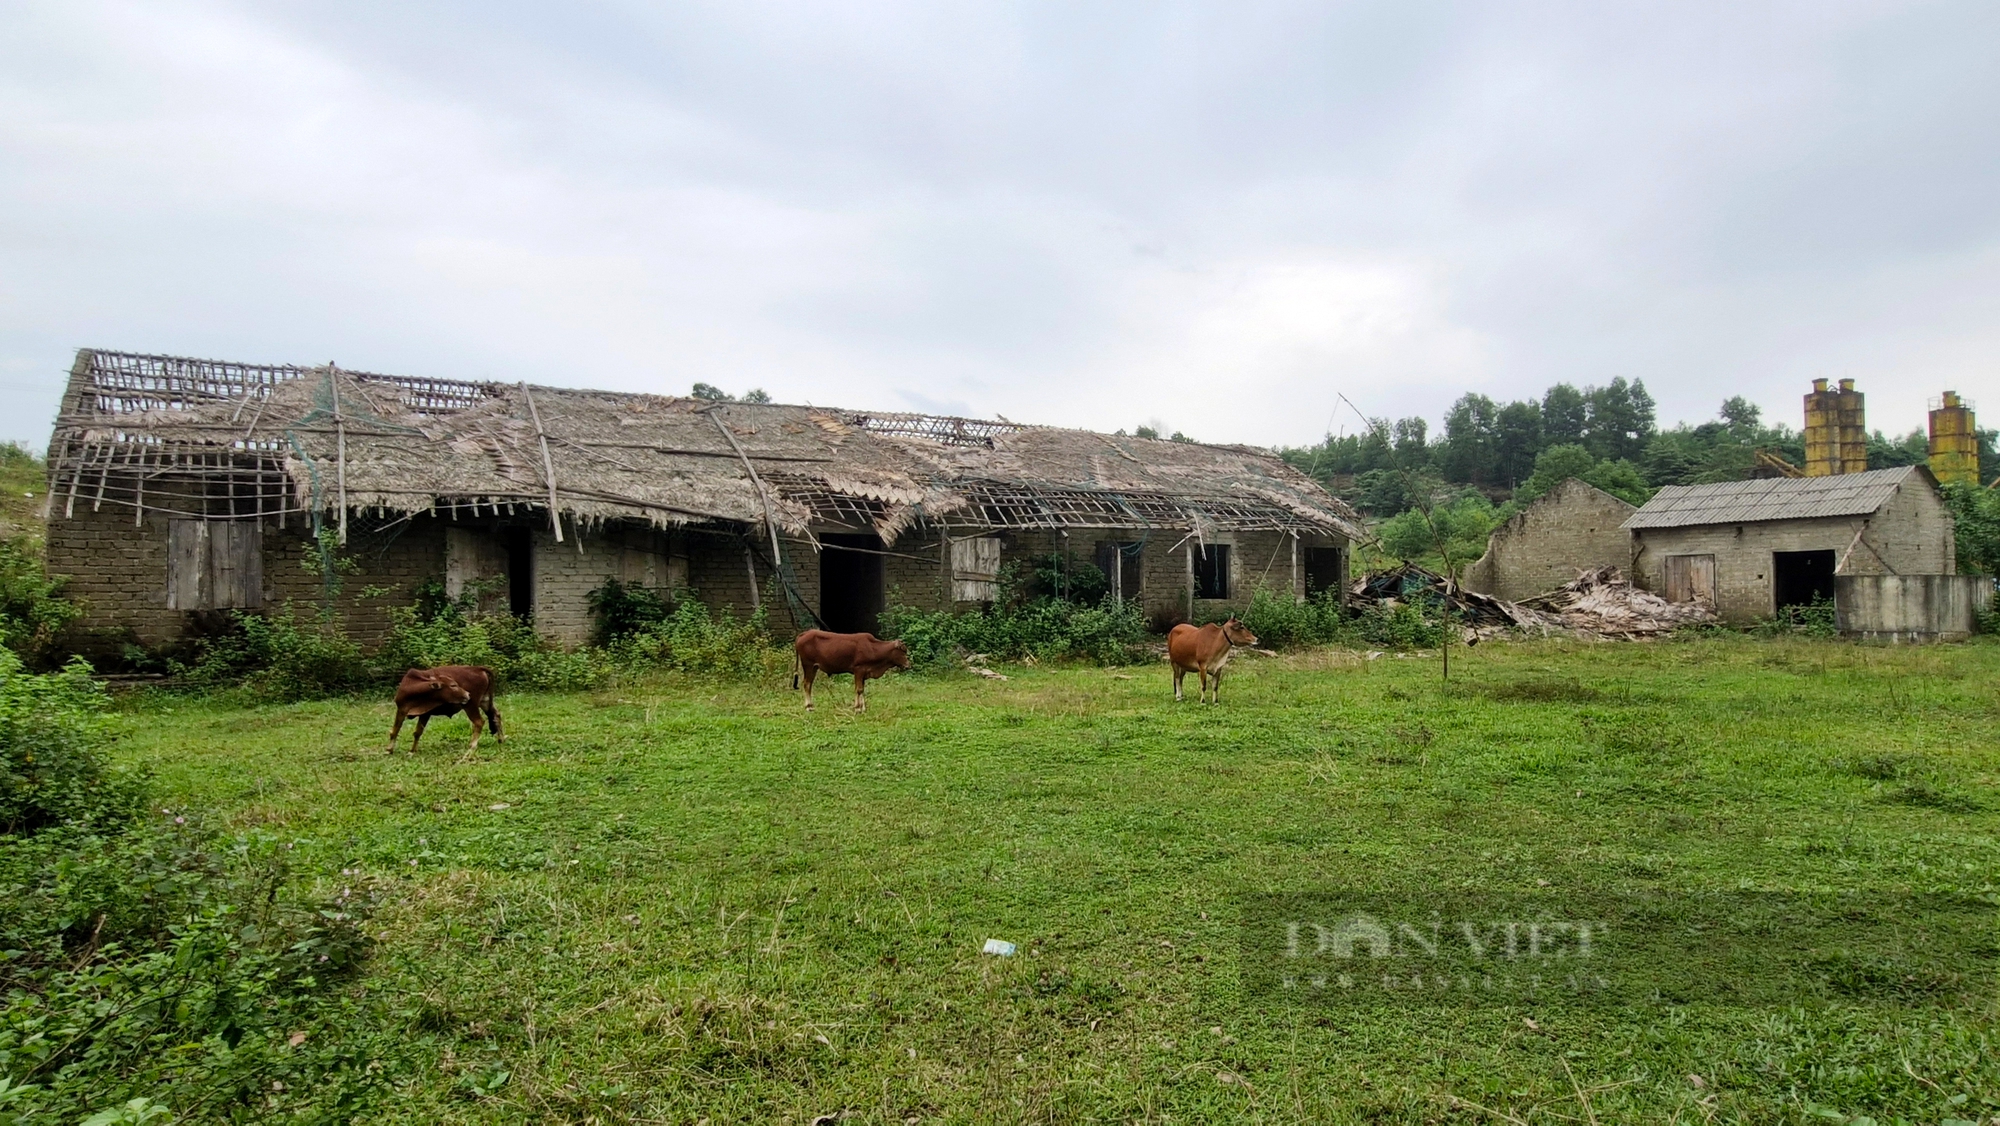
[
  {"x": 1565, "y": 416},
  {"x": 1469, "y": 450},
  {"x": 1620, "y": 419},
  {"x": 1517, "y": 442},
  {"x": 1556, "y": 464},
  {"x": 1975, "y": 515},
  {"x": 1463, "y": 522}
]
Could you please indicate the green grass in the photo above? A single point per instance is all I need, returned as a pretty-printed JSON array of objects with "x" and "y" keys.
[{"x": 690, "y": 901}]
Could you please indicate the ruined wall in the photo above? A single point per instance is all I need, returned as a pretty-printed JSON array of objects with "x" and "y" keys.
[
  {"x": 1543, "y": 546},
  {"x": 118, "y": 573},
  {"x": 1910, "y": 535},
  {"x": 1256, "y": 559}
]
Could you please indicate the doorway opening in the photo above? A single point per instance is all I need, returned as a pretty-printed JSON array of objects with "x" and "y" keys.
[
  {"x": 851, "y": 593},
  {"x": 1120, "y": 563},
  {"x": 519, "y": 544},
  {"x": 1326, "y": 569},
  {"x": 1211, "y": 572},
  {"x": 1800, "y": 578}
]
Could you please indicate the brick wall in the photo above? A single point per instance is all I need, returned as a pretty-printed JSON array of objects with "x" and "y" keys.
[
  {"x": 1256, "y": 559},
  {"x": 118, "y": 572},
  {"x": 1909, "y": 535},
  {"x": 1572, "y": 527}
]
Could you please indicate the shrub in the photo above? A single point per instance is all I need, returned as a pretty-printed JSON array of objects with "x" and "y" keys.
[
  {"x": 281, "y": 655},
  {"x": 1975, "y": 514},
  {"x": 456, "y": 637},
  {"x": 622, "y": 609},
  {"x": 1404, "y": 625},
  {"x": 1110, "y": 632},
  {"x": 153, "y": 961},
  {"x": 1280, "y": 621},
  {"x": 1815, "y": 620},
  {"x": 33, "y": 612},
  {"x": 156, "y": 962},
  {"x": 690, "y": 639},
  {"x": 52, "y": 768}
]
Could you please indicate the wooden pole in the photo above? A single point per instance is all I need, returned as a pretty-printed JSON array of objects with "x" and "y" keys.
[
  {"x": 750, "y": 564},
  {"x": 1190, "y": 579},
  {"x": 1298, "y": 592},
  {"x": 339, "y": 449},
  {"x": 548, "y": 463},
  {"x": 763, "y": 496}
]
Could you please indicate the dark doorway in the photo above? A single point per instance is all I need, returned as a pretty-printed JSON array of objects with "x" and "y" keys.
[
  {"x": 1211, "y": 571},
  {"x": 1800, "y": 578},
  {"x": 851, "y": 595},
  {"x": 519, "y": 544},
  {"x": 1120, "y": 564},
  {"x": 1326, "y": 569}
]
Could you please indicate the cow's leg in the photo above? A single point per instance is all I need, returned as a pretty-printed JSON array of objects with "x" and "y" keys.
[
  {"x": 810, "y": 670},
  {"x": 478, "y": 728},
  {"x": 1218, "y": 686},
  {"x": 860, "y": 686},
  {"x": 422, "y": 722},
  {"x": 493, "y": 719},
  {"x": 395, "y": 730},
  {"x": 1179, "y": 674}
]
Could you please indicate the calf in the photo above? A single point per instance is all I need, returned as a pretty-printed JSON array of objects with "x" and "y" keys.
[
  {"x": 445, "y": 691},
  {"x": 862, "y": 654},
  {"x": 1204, "y": 651}
]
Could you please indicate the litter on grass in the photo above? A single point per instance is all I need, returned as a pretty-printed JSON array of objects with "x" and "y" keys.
[{"x": 999, "y": 948}]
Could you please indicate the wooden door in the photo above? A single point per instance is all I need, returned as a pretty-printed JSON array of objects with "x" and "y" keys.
[
  {"x": 215, "y": 564},
  {"x": 1691, "y": 578}
]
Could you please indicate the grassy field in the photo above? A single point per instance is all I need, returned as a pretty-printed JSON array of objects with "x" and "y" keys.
[{"x": 689, "y": 901}]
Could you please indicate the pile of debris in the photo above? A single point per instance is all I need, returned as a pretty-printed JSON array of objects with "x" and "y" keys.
[
  {"x": 1480, "y": 615},
  {"x": 1600, "y": 602}
]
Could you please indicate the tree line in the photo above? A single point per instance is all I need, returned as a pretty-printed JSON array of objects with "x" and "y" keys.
[{"x": 1608, "y": 436}]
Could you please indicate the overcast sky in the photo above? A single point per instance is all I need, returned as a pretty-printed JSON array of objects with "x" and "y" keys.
[{"x": 1219, "y": 216}]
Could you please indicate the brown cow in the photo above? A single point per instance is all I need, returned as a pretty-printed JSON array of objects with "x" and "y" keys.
[
  {"x": 445, "y": 691},
  {"x": 1204, "y": 651},
  {"x": 862, "y": 654}
]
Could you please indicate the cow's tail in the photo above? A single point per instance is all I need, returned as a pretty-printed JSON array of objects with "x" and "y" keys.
[{"x": 795, "y": 668}]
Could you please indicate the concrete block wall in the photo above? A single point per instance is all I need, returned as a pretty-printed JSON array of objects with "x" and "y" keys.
[
  {"x": 1905, "y": 608},
  {"x": 1543, "y": 546},
  {"x": 1909, "y": 535}
]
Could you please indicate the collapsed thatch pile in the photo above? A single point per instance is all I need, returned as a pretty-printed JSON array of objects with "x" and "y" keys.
[
  {"x": 1600, "y": 602},
  {"x": 1481, "y": 615}
]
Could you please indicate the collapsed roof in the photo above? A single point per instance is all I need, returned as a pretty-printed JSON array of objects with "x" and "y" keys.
[{"x": 158, "y": 432}]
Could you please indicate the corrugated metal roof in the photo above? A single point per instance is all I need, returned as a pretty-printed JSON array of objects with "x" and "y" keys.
[{"x": 1775, "y": 498}]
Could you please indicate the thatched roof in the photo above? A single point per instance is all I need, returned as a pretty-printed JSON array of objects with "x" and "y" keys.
[{"x": 407, "y": 445}]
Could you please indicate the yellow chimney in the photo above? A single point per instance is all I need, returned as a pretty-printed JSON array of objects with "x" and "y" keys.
[
  {"x": 1954, "y": 441},
  {"x": 1836, "y": 434}
]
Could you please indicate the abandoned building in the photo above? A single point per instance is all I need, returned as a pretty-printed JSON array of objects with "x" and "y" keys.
[
  {"x": 181, "y": 487},
  {"x": 1571, "y": 528},
  {"x": 1751, "y": 548}
]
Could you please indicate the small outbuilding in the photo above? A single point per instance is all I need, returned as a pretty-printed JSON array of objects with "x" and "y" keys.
[
  {"x": 1751, "y": 548},
  {"x": 182, "y": 489},
  {"x": 1572, "y": 528}
]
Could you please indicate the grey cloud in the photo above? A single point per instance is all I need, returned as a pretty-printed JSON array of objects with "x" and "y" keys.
[{"x": 1076, "y": 213}]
